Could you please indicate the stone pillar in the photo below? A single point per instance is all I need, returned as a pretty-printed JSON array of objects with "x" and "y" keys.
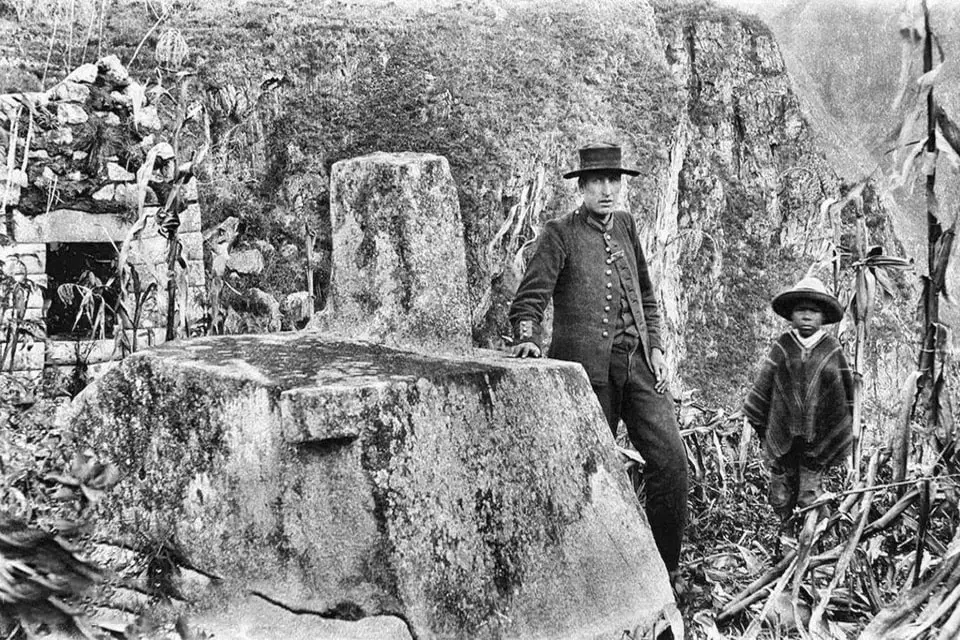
[{"x": 399, "y": 273}]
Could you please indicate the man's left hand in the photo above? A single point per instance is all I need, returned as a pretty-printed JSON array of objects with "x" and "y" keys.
[{"x": 659, "y": 370}]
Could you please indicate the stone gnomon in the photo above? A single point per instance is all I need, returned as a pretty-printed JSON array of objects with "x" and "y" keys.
[{"x": 471, "y": 495}]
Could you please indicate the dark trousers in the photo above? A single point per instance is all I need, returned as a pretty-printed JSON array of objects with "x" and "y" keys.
[{"x": 652, "y": 428}]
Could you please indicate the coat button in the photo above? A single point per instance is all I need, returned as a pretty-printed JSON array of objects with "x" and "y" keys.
[
  {"x": 606, "y": 333},
  {"x": 607, "y": 248},
  {"x": 605, "y": 321},
  {"x": 609, "y": 297},
  {"x": 606, "y": 308},
  {"x": 609, "y": 271},
  {"x": 609, "y": 260},
  {"x": 609, "y": 285}
]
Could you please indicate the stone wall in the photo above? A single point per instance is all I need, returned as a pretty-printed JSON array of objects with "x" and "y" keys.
[{"x": 76, "y": 172}]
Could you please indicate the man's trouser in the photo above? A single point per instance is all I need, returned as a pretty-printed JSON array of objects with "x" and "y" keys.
[{"x": 652, "y": 428}]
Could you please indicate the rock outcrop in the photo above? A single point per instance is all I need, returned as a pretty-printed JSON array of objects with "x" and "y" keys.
[{"x": 474, "y": 496}]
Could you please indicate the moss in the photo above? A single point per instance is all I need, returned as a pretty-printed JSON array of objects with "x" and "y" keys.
[
  {"x": 145, "y": 405},
  {"x": 672, "y": 12}
]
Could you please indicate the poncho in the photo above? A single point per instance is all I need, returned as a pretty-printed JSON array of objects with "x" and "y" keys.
[{"x": 804, "y": 394}]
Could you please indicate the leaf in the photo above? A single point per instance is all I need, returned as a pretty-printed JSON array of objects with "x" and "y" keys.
[
  {"x": 884, "y": 283},
  {"x": 900, "y": 436},
  {"x": 753, "y": 565},
  {"x": 930, "y": 78},
  {"x": 708, "y": 625},
  {"x": 64, "y": 479},
  {"x": 630, "y": 454},
  {"x": 888, "y": 262},
  {"x": 905, "y": 173},
  {"x": 64, "y": 493},
  {"x": 91, "y": 494},
  {"x": 83, "y": 465},
  {"x": 66, "y": 293},
  {"x": 948, "y": 151}
]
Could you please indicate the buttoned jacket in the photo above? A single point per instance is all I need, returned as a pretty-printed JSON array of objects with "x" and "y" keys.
[{"x": 585, "y": 270}]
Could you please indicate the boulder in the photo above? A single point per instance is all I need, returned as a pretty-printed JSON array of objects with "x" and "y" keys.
[
  {"x": 472, "y": 496},
  {"x": 247, "y": 261},
  {"x": 399, "y": 265}
]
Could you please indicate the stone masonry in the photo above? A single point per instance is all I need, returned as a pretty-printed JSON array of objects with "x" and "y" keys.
[{"x": 72, "y": 155}]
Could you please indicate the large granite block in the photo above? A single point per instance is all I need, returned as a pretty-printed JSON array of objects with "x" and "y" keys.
[{"x": 474, "y": 496}]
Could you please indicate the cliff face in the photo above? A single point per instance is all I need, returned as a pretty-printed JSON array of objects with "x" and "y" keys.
[
  {"x": 750, "y": 186},
  {"x": 728, "y": 202},
  {"x": 848, "y": 62}
]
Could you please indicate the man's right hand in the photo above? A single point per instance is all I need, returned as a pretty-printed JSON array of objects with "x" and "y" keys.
[{"x": 525, "y": 350}]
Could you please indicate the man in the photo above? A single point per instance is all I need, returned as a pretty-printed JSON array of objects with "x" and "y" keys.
[{"x": 606, "y": 318}]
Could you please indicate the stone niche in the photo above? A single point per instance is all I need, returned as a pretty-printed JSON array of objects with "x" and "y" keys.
[{"x": 71, "y": 200}]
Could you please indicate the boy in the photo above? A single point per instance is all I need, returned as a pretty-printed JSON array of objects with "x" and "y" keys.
[{"x": 802, "y": 402}]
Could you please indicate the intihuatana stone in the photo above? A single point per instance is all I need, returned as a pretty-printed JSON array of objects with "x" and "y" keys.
[
  {"x": 398, "y": 253},
  {"x": 476, "y": 496}
]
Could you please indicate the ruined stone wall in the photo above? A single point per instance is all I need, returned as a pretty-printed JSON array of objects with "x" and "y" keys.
[{"x": 76, "y": 171}]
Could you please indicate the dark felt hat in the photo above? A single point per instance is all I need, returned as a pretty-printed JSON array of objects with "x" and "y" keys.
[
  {"x": 601, "y": 156},
  {"x": 810, "y": 289}
]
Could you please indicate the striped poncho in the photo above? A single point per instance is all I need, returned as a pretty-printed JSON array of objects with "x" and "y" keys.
[{"x": 806, "y": 394}]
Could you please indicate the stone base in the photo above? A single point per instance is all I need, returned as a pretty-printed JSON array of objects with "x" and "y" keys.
[{"x": 473, "y": 497}]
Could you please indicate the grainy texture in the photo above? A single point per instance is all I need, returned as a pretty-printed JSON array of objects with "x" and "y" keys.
[{"x": 475, "y": 496}]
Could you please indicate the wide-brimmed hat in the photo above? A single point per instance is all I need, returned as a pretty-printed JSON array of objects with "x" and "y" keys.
[
  {"x": 809, "y": 289},
  {"x": 601, "y": 156}
]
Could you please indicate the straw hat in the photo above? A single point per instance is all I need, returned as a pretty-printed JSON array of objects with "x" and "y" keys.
[{"x": 811, "y": 289}]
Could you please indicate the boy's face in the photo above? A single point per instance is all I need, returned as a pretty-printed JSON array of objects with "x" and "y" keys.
[{"x": 806, "y": 318}]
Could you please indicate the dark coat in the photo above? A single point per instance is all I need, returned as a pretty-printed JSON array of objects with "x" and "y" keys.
[
  {"x": 585, "y": 271},
  {"x": 805, "y": 394}
]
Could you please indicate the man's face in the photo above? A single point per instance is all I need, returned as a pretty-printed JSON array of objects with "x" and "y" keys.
[
  {"x": 806, "y": 318},
  {"x": 601, "y": 191}
]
